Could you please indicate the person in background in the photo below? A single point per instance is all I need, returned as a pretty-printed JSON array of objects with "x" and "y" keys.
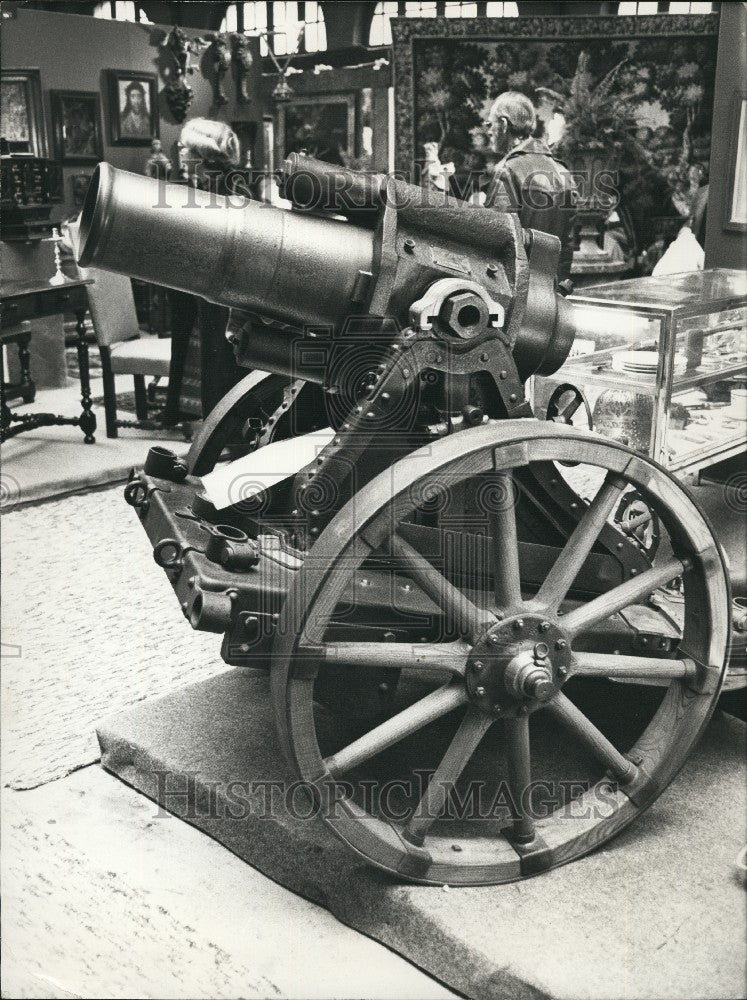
[
  {"x": 210, "y": 156},
  {"x": 529, "y": 180}
]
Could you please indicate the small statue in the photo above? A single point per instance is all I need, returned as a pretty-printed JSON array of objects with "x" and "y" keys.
[
  {"x": 244, "y": 59},
  {"x": 158, "y": 164},
  {"x": 436, "y": 174}
]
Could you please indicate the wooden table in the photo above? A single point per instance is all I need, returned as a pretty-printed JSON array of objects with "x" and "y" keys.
[{"x": 30, "y": 300}]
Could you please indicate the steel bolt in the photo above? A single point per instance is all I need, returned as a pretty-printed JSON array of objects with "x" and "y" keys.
[
  {"x": 503, "y": 374},
  {"x": 492, "y": 270},
  {"x": 519, "y": 624},
  {"x": 409, "y": 245},
  {"x": 544, "y": 626},
  {"x": 389, "y": 637},
  {"x": 562, "y": 671},
  {"x": 494, "y": 639},
  {"x": 480, "y": 691},
  {"x": 561, "y": 644},
  {"x": 479, "y": 665},
  {"x": 483, "y": 357}
]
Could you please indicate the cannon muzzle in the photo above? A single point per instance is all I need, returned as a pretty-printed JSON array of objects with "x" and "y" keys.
[{"x": 299, "y": 269}]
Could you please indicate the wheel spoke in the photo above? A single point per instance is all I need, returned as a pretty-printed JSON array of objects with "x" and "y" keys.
[
  {"x": 474, "y": 726},
  {"x": 466, "y": 616},
  {"x": 433, "y": 706},
  {"x": 519, "y": 774},
  {"x": 569, "y": 409},
  {"x": 621, "y": 596},
  {"x": 584, "y": 729},
  {"x": 578, "y": 547},
  {"x": 506, "y": 570},
  {"x": 451, "y": 656},
  {"x": 619, "y": 667}
]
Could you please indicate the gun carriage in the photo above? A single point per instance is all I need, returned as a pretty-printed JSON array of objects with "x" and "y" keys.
[{"x": 444, "y": 563}]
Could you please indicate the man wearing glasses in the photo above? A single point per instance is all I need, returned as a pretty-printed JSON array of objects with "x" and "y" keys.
[{"x": 528, "y": 179}]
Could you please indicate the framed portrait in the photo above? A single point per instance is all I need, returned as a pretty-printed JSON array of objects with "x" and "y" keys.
[
  {"x": 21, "y": 113},
  {"x": 323, "y": 126},
  {"x": 133, "y": 107},
  {"x": 76, "y": 125},
  {"x": 736, "y": 202}
]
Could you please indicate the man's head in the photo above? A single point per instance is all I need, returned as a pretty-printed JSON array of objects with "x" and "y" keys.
[
  {"x": 512, "y": 118},
  {"x": 135, "y": 92}
]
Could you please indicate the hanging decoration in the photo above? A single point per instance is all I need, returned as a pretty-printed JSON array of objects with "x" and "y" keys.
[
  {"x": 221, "y": 61},
  {"x": 243, "y": 62},
  {"x": 283, "y": 90},
  {"x": 179, "y": 95}
]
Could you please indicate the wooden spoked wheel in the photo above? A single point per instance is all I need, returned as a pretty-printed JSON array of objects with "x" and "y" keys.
[{"x": 513, "y": 665}]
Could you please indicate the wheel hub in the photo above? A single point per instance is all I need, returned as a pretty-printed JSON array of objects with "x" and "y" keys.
[{"x": 518, "y": 665}]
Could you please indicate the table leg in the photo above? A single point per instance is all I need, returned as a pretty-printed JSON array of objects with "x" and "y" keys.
[
  {"x": 87, "y": 420},
  {"x": 4, "y": 408},
  {"x": 26, "y": 387}
]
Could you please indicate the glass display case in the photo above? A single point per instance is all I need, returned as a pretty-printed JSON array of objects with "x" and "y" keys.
[{"x": 661, "y": 364}]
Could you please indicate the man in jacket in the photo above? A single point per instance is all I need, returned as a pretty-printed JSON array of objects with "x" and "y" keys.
[{"x": 529, "y": 179}]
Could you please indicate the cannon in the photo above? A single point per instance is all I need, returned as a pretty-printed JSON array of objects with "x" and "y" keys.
[{"x": 477, "y": 668}]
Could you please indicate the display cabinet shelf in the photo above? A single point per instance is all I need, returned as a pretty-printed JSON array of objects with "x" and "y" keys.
[{"x": 662, "y": 363}]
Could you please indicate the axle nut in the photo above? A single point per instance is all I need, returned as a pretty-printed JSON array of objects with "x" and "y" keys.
[{"x": 539, "y": 685}]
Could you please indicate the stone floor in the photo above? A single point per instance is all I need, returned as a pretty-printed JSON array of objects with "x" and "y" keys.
[
  {"x": 100, "y": 897},
  {"x": 53, "y": 461}
]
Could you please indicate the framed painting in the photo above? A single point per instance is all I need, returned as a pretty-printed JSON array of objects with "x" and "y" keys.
[
  {"x": 21, "y": 113},
  {"x": 322, "y": 126},
  {"x": 736, "y": 202},
  {"x": 76, "y": 126},
  {"x": 630, "y": 96},
  {"x": 133, "y": 107}
]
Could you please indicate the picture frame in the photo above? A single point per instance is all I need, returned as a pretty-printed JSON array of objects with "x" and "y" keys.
[
  {"x": 76, "y": 126},
  {"x": 22, "y": 113},
  {"x": 322, "y": 124},
  {"x": 133, "y": 107},
  {"x": 735, "y": 210}
]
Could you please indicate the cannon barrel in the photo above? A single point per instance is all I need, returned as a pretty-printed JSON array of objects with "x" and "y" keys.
[{"x": 295, "y": 268}]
